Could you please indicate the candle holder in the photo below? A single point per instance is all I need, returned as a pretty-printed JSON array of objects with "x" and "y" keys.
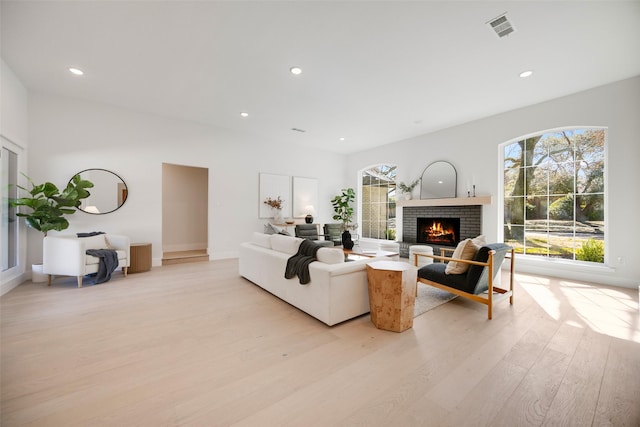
[{"x": 474, "y": 190}]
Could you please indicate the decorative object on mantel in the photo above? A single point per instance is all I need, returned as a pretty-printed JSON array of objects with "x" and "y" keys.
[
  {"x": 344, "y": 213},
  {"x": 439, "y": 181},
  {"x": 407, "y": 188},
  {"x": 276, "y": 206}
]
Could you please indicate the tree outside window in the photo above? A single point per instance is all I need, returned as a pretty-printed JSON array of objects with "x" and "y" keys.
[{"x": 554, "y": 195}]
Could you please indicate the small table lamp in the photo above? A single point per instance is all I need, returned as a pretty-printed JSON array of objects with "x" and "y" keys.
[{"x": 309, "y": 218}]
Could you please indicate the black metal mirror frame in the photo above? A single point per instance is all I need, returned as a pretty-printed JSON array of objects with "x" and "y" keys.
[
  {"x": 425, "y": 194},
  {"x": 123, "y": 193}
]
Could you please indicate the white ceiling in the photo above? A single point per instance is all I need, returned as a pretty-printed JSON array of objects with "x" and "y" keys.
[{"x": 373, "y": 72}]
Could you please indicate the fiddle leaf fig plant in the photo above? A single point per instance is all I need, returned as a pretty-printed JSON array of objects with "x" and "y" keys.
[
  {"x": 343, "y": 210},
  {"x": 49, "y": 206}
]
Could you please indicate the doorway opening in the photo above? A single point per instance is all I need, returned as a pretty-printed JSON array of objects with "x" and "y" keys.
[{"x": 185, "y": 214}]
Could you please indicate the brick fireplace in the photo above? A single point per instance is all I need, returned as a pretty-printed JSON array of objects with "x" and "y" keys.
[{"x": 470, "y": 217}]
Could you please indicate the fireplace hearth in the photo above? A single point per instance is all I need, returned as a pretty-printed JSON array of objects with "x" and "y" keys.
[{"x": 438, "y": 231}]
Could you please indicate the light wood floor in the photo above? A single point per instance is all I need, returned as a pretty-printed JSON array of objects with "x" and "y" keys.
[{"x": 196, "y": 345}]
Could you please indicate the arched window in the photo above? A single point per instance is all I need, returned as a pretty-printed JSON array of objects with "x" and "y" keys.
[
  {"x": 554, "y": 194},
  {"x": 378, "y": 202}
]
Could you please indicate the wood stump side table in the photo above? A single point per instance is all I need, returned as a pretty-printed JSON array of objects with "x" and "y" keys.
[
  {"x": 392, "y": 294},
  {"x": 140, "y": 257}
]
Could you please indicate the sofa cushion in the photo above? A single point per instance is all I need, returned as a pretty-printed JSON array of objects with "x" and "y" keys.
[
  {"x": 95, "y": 242},
  {"x": 436, "y": 273},
  {"x": 330, "y": 255},
  {"x": 465, "y": 250},
  {"x": 286, "y": 244},
  {"x": 261, "y": 239}
]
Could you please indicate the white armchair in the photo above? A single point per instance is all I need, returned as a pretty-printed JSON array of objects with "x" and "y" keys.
[{"x": 65, "y": 255}]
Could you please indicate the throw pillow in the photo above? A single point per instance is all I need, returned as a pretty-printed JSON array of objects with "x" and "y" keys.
[
  {"x": 465, "y": 250},
  {"x": 479, "y": 241},
  {"x": 271, "y": 229},
  {"x": 330, "y": 255}
]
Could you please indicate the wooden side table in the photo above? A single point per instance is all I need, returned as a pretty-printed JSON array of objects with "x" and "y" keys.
[
  {"x": 392, "y": 294},
  {"x": 140, "y": 257}
]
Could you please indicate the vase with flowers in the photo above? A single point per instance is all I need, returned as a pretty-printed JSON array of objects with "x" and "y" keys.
[{"x": 276, "y": 207}]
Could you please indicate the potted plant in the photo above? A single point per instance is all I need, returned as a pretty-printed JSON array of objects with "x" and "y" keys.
[
  {"x": 344, "y": 213},
  {"x": 407, "y": 188},
  {"x": 48, "y": 206}
]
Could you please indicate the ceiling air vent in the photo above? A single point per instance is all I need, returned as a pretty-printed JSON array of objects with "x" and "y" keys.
[{"x": 501, "y": 26}]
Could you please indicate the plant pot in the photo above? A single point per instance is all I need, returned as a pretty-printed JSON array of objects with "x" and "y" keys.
[
  {"x": 37, "y": 275},
  {"x": 347, "y": 243},
  {"x": 407, "y": 196},
  {"x": 278, "y": 218}
]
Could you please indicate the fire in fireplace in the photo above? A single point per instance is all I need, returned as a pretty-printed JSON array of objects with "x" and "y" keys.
[{"x": 439, "y": 231}]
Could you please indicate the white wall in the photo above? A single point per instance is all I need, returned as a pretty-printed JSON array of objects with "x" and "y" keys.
[
  {"x": 67, "y": 136},
  {"x": 14, "y": 131},
  {"x": 473, "y": 149}
]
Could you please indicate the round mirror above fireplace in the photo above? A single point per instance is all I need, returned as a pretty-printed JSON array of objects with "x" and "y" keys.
[
  {"x": 108, "y": 194},
  {"x": 439, "y": 181}
]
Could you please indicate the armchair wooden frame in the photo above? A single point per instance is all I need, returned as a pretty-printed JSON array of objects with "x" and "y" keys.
[{"x": 493, "y": 293}]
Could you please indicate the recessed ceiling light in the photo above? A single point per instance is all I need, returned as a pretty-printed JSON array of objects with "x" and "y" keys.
[
  {"x": 244, "y": 114},
  {"x": 76, "y": 71},
  {"x": 342, "y": 138},
  {"x": 526, "y": 73},
  {"x": 295, "y": 70}
]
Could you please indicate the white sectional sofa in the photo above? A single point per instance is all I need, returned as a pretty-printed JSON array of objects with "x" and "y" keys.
[{"x": 337, "y": 290}]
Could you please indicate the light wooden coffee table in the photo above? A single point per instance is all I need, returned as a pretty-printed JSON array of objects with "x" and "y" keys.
[{"x": 354, "y": 254}]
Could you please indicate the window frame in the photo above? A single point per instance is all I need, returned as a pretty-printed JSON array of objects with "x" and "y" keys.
[
  {"x": 21, "y": 243},
  {"x": 501, "y": 197},
  {"x": 360, "y": 199}
]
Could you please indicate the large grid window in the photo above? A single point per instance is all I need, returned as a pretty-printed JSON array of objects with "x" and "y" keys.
[
  {"x": 554, "y": 195},
  {"x": 378, "y": 202}
]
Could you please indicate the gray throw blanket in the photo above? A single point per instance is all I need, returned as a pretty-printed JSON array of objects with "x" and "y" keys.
[
  {"x": 107, "y": 264},
  {"x": 299, "y": 263}
]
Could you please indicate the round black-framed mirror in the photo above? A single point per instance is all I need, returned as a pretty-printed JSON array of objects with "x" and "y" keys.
[{"x": 108, "y": 194}]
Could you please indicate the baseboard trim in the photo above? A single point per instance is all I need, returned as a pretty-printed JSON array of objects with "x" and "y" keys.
[{"x": 12, "y": 283}]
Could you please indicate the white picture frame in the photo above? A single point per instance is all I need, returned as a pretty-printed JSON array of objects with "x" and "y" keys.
[
  {"x": 305, "y": 196},
  {"x": 274, "y": 186}
]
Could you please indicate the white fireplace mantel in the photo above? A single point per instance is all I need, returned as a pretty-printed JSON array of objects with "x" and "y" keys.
[{"x": 456, "y": 201}]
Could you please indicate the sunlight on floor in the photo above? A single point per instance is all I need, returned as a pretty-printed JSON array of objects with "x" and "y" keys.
[{"x": 607, "y": 310}]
